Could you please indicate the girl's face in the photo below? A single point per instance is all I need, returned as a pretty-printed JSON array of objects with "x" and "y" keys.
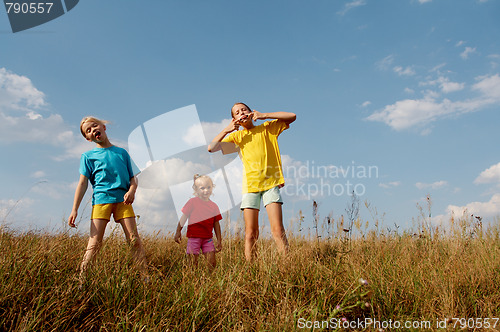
[
  {"x": 204, "y": 188},
  {"x": 94, "y": 131},
  {"x": 241, "y": 113}
]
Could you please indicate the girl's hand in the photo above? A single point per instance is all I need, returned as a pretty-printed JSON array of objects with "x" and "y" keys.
[
  {"x": 72, "y": 218},
  {"x": 258, "y": 115},
  {"x": 177, "y": 237},
  {"x": 234, "y": 125},
  {"x": 128, "y": 198}
]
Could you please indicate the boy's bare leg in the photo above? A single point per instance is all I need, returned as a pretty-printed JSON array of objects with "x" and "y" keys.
[
  {"x": 130, "y": 228},
  {"x": 97, "y": 229},
  {"x": 251, "y": 217},
  {"x": 274, "y": 212}
]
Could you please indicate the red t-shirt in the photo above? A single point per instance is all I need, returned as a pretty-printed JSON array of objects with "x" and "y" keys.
[{"x": 201, "y": 217}]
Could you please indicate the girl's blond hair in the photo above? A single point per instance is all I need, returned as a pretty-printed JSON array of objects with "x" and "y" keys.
[
  {"x": 90, "y": 118},
  {"x": 198, "y": 176}
]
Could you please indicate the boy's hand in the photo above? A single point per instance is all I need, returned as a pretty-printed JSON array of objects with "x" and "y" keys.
[
  {"x": 128, "y": 198},
  {"x": 72, "y": 218},
  {"x": 177, "y": 237},
  {"x": 219, "y": 246}
]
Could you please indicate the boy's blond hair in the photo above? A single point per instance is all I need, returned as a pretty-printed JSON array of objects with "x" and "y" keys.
[{"x": 91, "y": 118}]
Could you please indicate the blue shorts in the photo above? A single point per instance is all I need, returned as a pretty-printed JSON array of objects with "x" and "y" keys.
[{"x": 252, "y": 200}]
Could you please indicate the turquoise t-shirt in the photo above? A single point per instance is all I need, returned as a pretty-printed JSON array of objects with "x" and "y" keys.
[{"x": 109, "y": 170}]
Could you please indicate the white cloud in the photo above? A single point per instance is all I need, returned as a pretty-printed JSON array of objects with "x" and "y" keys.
[
  {"x": 434, "y": 185},
  {"x": 37, "y": 174},
  {"x": 15, "y": 211},
  {"x": 468, "y": 51},
  {"x": 409, "y": 113},
  {"x": 212, "y": 129},
  {"x": 54, "y": 190},
  {"x": 389, "y": 185},
  {"x": 444, "y": 84},
  {"x": 17, "y": 92},
  {"x": 489, "y": 87},
  {"x": 385, "y": 63},
  {"x": 194, "y": 136},
  {"x": 483, "y": 209},
  {"x": 438, "y": 67},
  {"x": 351, "y": 5},
  {"x": 490, "y": 175},
  {"x": 366, "y": 103},
  {"x": 22, "y": 120},
  {"x": 408, "y": 71},
  {"x": 459, "y": 43},
  {"x": 424, "y": 1},
  {"x": 447, "y": 87}
]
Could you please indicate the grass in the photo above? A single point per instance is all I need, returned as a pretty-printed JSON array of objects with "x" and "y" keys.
[{"x": 384, "y": 276}]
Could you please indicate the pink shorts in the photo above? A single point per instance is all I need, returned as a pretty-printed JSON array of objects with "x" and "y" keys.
[{"x": 196, "y": 243}]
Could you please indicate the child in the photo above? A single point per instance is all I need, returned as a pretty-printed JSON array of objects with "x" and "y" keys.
[
  {"x": 109, "y": 170},
  {"x": 263, "y": 176},
  {"x": 203, "y": 216}
]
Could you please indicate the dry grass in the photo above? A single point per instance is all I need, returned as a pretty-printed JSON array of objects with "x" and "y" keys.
[{"x": 424, "y": 276}]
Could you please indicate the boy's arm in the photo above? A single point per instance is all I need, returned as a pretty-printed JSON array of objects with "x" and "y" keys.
[
  {"x": 81, "y": 188},
  {"x": 129, "y": 196},
  {"x": 287, "y": 117},
  {"x": 218, "y": 235},
  {"x": 182, "y": 221},
  {"x": 215, "y": 145}
]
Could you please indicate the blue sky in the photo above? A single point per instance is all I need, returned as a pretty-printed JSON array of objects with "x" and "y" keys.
[{"x": 408, "y": 88}]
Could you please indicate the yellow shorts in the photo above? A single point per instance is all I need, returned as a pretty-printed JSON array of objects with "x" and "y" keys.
[{"x": 119, "y": 211}]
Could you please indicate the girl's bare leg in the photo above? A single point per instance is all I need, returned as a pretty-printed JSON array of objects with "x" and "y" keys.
[
  {"x": 275, "y": 215},
  {"x": 251, "y": 217},
  {"x": 97, "y": 228}
]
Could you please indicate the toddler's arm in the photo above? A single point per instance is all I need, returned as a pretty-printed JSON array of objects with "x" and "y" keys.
[
  {"x": 182, "y": 221},
  {"x": 81, "y": 188},
  {"x": 218, "y": 235}
]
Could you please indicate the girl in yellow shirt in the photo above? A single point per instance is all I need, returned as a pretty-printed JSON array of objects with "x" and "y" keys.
[{"x": 263, "y": 176}]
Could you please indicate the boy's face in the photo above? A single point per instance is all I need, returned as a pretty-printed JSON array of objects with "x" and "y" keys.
[
  {"x": 241, "y": 114},
  {"x": 94, "y": 131}
]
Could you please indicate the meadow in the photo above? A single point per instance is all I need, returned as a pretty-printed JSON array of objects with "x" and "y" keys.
[{"x": 340, "y": 272}]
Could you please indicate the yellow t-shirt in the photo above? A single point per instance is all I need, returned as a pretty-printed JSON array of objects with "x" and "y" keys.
[{"x": 260, "y": 155}]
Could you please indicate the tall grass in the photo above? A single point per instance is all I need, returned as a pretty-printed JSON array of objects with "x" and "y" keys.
[{"x": 404, "y": 276}]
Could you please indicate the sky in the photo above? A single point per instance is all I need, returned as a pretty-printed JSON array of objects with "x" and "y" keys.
[{"x": 397, "y": 101}]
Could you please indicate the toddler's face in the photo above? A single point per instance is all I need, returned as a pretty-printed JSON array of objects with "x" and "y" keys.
[{"x": 204, "y": 188}]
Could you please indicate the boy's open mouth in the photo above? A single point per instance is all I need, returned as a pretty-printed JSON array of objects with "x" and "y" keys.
[{"x": 98, "y": 135}]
